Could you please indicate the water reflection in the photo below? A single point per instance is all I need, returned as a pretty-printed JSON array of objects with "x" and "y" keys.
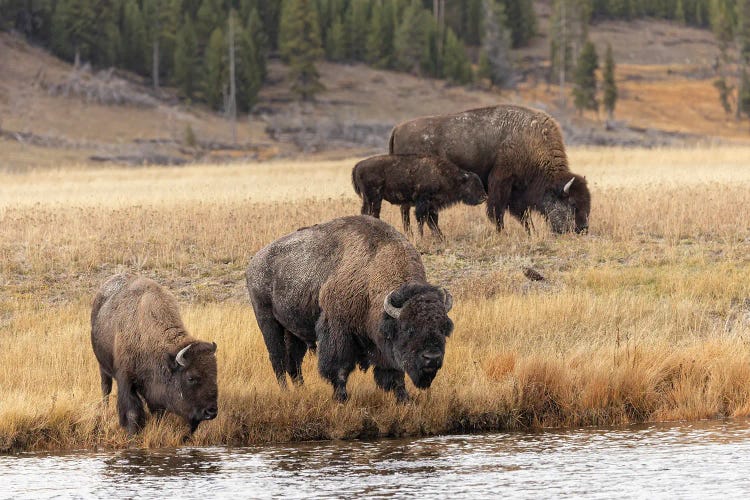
[
  {"x": 683, "y": 460},
  {"x": 162, "y": 463}
]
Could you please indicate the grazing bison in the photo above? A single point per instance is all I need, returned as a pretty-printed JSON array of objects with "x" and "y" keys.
[
  {"x": 517, "y": 152},
  {"x": 355, "y": 288},
  {"x": 429, "y": 183},
  {"x": 139, "y": 339}
]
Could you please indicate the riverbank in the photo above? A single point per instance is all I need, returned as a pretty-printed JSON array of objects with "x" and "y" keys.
[{"x": 645, "y": 318}]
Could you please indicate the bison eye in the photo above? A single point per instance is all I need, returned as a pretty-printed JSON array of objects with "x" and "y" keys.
[{"x": 193, "y": 380}]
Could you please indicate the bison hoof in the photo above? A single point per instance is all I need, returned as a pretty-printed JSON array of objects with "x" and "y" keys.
[{"x": 402, "y": 397}]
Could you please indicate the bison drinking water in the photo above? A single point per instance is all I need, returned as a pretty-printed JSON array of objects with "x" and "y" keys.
[
  {"x": 429, "y": 183},
  {"x": 355, "y": 288},
  {"x": 140, "y": 341},
  {"x": 517, "y": 152}
]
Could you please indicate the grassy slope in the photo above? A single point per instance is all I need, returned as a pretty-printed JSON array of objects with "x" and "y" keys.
[{"x": 645, "y": 318}]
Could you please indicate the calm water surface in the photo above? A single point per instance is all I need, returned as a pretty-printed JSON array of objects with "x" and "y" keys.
[{"x": 655, "y": 461}]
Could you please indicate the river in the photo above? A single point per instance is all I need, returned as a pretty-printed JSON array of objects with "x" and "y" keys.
[{"x": 695, "y": 460}]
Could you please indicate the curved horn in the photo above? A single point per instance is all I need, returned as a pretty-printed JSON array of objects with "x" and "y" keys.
[
  {"x": 391, "y": 310},
  {"x": 566, "y": 189},
  {"x": 447, "y": 299},
  {"x": 180, "y": 358}
]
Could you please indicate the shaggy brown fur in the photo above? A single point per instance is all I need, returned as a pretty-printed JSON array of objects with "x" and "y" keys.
[
  {"x": 325, "y": 286},
  {"x": 517, "y": 152},
  {"x": 429, "y": 183},
  {"x": 137, "y": 333}
]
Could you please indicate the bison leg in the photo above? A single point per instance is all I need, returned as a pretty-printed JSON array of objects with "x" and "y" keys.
[
  {"x": 392, "y": 380},
  {"x": 524, "y": 217},
  {"x": 295, "y": 353},
  {"x": 273, "y": 336},
  {"x": 336, "y": 356},
  {"x": 106, "y": 384},
  {"x": 421, "y": 213},
  {"x": 129, "y": 406},
  {"x": 498, "y": 198},
  {"x": 406, "y": 218},
  {"x": 432, "y": 223}
]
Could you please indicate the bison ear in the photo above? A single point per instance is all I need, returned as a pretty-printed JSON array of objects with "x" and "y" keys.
[
  {"x": 449, "y": 328},
  {"x": 171, "y": 361}
]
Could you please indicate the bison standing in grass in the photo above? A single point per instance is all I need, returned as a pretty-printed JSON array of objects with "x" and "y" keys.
[
  {"x": 355, "y": 288},
  {"x": 428, "y": 183},
  {"x": 140, "y": 341},
  {"x": 517, "y": 152}
]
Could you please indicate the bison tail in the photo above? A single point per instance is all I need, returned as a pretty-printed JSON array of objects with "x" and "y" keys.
[{"x": 390, "y": 141}]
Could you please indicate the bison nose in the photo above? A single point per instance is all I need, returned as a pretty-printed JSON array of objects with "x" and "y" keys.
[
  {"x": 432, "y": 359},
  {"x": 210, "y": 413}
]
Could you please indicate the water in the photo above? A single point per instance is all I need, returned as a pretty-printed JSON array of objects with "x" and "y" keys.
[{"x": 654, "y": 461}]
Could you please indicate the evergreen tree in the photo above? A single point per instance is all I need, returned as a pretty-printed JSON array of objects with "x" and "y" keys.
[
  {"x": 336, "y": 41},
  {"x": 73, "y": 30},
  {"x": 215, "y": 68},
  {"x": 134, "y": 35},
  {"x": 303, "y": 47},
  {"x": 249, "y": 72},
  {"x": 379, "y": 44},
  {"x": 356, "y": 26},
  {"x": 521, "y": 19},
  {"x": 186, "y": 65},
  {"x": 584, "y": 79},
  {"x": 484, "y": 70},
  {"x": 210, "y": 16},
  {"x": 496, "y": 44},
  {"x": 610, "y": 87},
  {"x": 260, "y": 42},
  {"x": 456, "y": 65},
  {"x": 412, "y": 37},
  {"x": 156, "y": 19}
]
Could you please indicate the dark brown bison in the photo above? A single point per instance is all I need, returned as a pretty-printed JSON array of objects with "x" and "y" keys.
[
  {"x": 139, "y": 339},
  {"x": 429, "y": 183},
  {"x": 517, "y": 152},
  {"x": 355, "y": 288}
]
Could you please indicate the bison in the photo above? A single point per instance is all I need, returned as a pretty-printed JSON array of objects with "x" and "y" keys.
[
  {"x": 518, "y": 153},
  {"x": 429, "y": 183},
  {"x": 355, "y": 289},
  {"x": 140, "y": 341}
]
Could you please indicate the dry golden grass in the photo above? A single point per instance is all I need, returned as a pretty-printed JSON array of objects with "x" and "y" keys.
[{"x": 645, "y": 318}]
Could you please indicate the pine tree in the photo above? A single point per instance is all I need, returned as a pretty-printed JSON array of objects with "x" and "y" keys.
[
  {"x": 249, "y": 71},
  {"x": 210, "y": 16},
  {"x": 215, "y": 68},
  {"x": 584, "y": 79},
  {"x": 412, "y": 37},
  {"x": 336, "y": 41},
  {"x": 356, "y": 25},
  {"x": 260, "y": 42},
  {"x": 134, "y": 37},
  {"x": 73, "y": 29},
  {"x": 609, "y": 85},
  {"x": 456, "y": 65},
  {"x": 156, "y": 18},
  {"x": 186, "y": 61},
  {"x": 496, "y": 44},
  {"x": 303, "y": 47},
  {"x": 521, "y": 19},
  {"x": 376, "y": 46}
]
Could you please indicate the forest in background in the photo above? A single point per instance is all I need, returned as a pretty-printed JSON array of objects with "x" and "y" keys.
[{"x": 216, "y": 51}]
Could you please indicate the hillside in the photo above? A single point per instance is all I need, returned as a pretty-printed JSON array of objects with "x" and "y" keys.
[{"x": 50, "y": 114}]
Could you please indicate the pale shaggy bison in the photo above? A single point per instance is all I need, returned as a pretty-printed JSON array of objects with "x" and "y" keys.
[
  {"x": 518, "y": 153},
  {"x": 429, "y": 183},
  {"x": 355, "y": 288},
  {"x": 140, "y": 341}
]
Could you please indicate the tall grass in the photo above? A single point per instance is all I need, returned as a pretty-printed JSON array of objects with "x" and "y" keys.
[{"x": 645, "y": 318}]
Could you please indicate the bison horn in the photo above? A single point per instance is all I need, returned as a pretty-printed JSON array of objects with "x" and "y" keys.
[
  {"x": 566, "y": 189},
  {"x": 391, "y": 310},
  {"x": 180, "y": 358},
  {"x": 447, "y": 299}
]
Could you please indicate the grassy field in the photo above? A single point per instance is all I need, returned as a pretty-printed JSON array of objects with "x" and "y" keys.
[{"x": 645, "y": 318}]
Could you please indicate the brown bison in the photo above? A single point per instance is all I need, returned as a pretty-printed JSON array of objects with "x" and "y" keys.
[
  {"x": 517, "y": 152},
  {"x": 429, "y": 183},
  {"x": 355, "y": 289},
  {"x": 140, "y": 341}
]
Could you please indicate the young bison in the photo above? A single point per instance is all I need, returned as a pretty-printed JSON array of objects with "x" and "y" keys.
[
  {"x": 139, "y": 339},
  {"x": 429, "y": 183},
  {"x": 355, "y": 288}
]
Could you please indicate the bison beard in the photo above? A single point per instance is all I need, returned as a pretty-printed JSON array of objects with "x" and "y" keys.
[
  {"x": 355, "y": 288},
  {"x": 517, "y": 152}
]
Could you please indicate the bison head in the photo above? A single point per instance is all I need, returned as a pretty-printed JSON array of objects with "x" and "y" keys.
[
  {"x": 470, "y": 188},
  {"x": 193, "y": 371},
  {"x": 416, "y": 323},
  {"x": 567, "y": 205}
]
